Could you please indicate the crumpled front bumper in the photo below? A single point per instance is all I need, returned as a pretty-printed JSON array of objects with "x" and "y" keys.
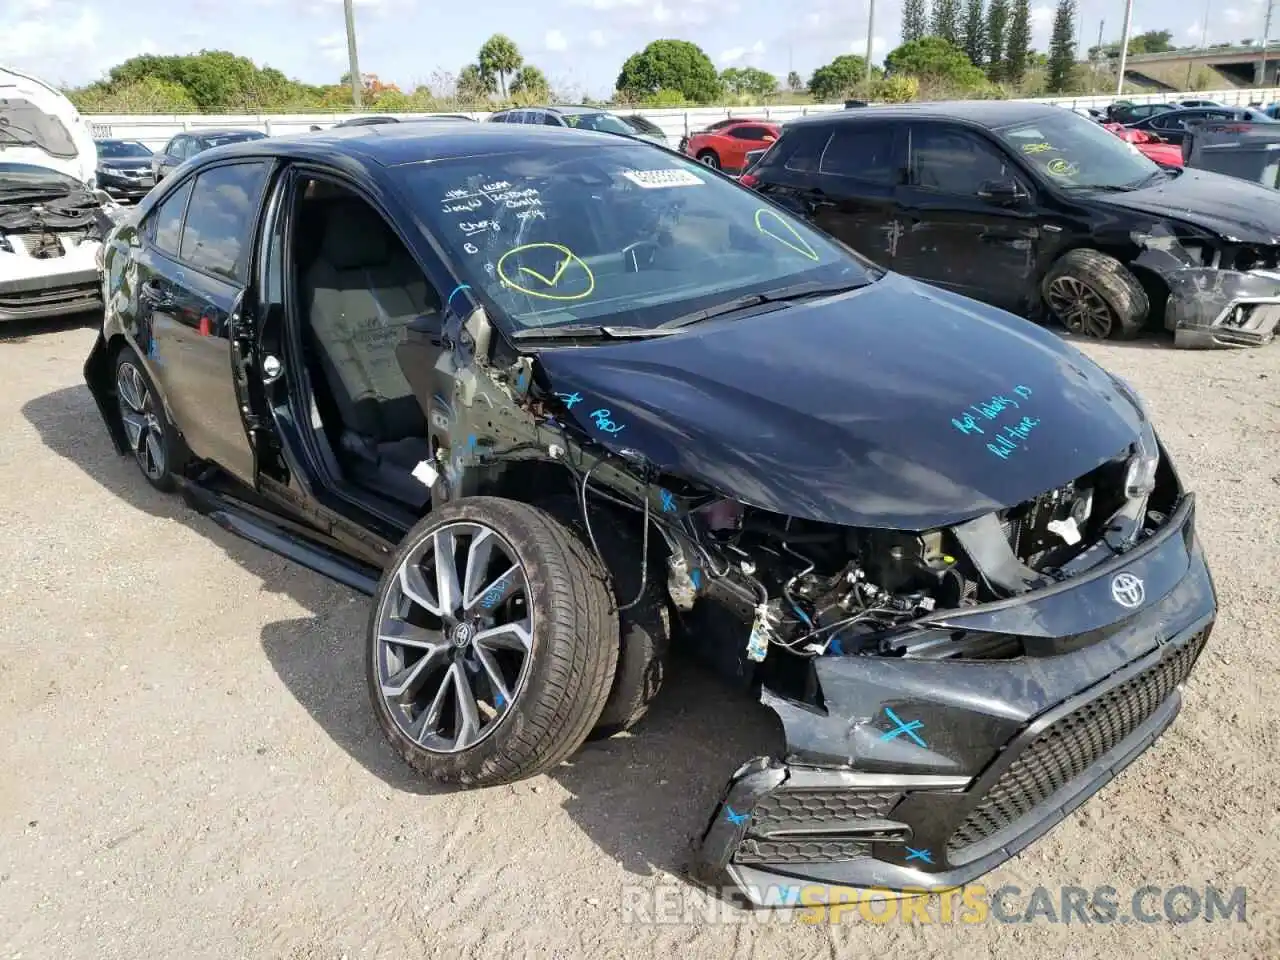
[
  {"x": 928, "y": 773},
  {"x": 1209, "y": 306}
]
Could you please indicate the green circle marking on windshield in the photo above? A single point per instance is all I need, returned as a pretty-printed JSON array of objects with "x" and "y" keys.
[
  {"x": 562, "y": 268},
  {"x": 1059, "y": 167},
  {"x": 794, "y": 241}
]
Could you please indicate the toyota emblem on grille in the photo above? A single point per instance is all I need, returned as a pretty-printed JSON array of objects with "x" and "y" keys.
[{"x": 1127, "y": 590}]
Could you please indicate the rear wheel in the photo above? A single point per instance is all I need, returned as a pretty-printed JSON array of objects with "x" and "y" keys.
[
  {"x": 492, "y": 643},
  {"x": 710, "y": 158},
  {"x": 1095, "y": 295},
  {"x": 150, "y": 437}
]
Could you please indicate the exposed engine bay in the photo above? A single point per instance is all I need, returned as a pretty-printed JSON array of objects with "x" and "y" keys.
[{"x": 47, "y": 226}]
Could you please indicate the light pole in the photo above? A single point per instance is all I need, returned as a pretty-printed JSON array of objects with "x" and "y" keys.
[
  {"x": 357, "y": 85},
  {"x": 1266, "y": 36},
  {"x": 871, "y": 25},
  {"x": 1124, "y": 45}
]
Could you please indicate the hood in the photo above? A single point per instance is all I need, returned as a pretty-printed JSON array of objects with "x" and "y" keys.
[
  {"x": 898, "y": 405},
  {"x": 1234, "y": 209},
  {"x": 42, "y": 128}
]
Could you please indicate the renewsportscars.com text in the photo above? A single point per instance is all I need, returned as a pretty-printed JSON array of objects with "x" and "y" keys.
[{"x": 974, "y": 904}]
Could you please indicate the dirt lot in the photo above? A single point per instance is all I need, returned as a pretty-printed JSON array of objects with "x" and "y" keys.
[{"x": 191, "y": 768}]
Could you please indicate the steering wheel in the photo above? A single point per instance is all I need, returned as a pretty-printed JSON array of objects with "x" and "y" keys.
[{"x": 632, "y": 260}]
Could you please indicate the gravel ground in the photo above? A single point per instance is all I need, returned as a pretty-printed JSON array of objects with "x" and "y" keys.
[{"x": 192, "y": 769}]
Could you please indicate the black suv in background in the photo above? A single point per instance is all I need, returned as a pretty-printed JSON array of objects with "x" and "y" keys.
[{"x": 1035, "y": 209}]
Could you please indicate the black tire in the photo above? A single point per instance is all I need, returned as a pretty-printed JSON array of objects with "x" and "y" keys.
[
  {"x": 710, "y": 158},
  {"x": 644, "y": 630},
  {"x": 572, "y": 654},
  {"x": 158, "y": 461},
  {"x": 1095, "y": 295}
]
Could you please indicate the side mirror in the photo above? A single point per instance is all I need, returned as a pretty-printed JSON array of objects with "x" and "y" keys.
[{"x": 1002, "y": 193}]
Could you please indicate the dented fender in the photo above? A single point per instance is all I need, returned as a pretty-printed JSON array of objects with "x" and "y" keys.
[{"x": 1210, "y": 306}]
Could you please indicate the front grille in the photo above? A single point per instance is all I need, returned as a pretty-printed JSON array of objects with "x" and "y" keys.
[
  {"x": 819, "y": 807},
  {"x": 801, "y": 851},
  {"x": 47, "y": 296},
  {"x": 1068, "y": 747}
]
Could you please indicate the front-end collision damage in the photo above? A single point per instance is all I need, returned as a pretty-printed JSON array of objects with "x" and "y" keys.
[
  {"x": 1220, "y": 294},
  {"x": 947, "y": 695}
]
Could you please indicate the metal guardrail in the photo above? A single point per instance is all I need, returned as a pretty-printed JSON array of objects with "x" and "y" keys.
[{"x": 155, "y": 130}]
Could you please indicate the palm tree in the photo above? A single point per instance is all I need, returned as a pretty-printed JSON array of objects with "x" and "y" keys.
[{"x": 499, "y": 58}]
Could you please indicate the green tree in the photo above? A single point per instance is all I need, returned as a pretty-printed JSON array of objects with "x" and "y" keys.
[
  {"x": 473, "y": 86},
  {"x": 499, "y": 58},
  {"x": 1018, "y": 44},
  {"x": 532, "y": 83},
  {"x": 1062, "y": 47},
  {"x": 1152, "y": 41},
  {"x": 215, "y": 79},
  {"x": 945, "y": 22},
  {"x": 997, "y": 25},
  {"x": 147, "y": 95},
  {"x": 749, "y": 81},
  {"x": 913, "y": 20},
  {"x": 670, "y": 65},
  {"x": 934, "y": 59},
  {"x": 974, "y": 33},
  {"x": 795, "y": 83},
  {"x": 838, "y": 77}
]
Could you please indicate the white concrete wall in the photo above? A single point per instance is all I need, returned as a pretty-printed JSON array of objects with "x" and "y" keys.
[{"x": 155, "y": 130}]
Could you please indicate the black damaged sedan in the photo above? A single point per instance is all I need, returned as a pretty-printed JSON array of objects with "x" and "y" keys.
[{"x": 559, "y": 400}]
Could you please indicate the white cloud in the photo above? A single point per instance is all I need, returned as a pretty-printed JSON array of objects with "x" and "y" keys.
[
  {"x": 555, "y": 40},
  {"x": 53, "y": 48},
  {"x": 879, "y": 45},
  {"x": 1041, "y": 17},
  {"x": 597, "y": 38},
  {"x": 742, "y": 54},
  {"x": 333, "y": 47}
]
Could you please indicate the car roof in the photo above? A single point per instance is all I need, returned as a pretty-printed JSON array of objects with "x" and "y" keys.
[
  {"x": 395, "y": 144},
  {"x": 986, "y": 113}
]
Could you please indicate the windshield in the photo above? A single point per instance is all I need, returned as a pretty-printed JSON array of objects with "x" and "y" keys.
[
  {"x": 24, "y": 124},
  {"x": 218, "y": 140},
  {"x": 1076, "y": 153},
  {"x": 120, "y": 149},
  {"x": 22, "y": 176},
  {"x": 625, "y": 235},
  {"x": 603, "y": 122}
]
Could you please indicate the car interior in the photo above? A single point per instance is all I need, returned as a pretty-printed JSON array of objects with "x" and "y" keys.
[{"x": 358, "y": 291}]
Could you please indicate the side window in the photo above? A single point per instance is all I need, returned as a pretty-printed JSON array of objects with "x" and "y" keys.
[
  {"x": 747, "y": 133},
  {"x": 860, "y": 152},
  {"x": 498, "y": 118},
  {"x": 170, "y": 147},
  {"x": 551, "y": 120},
  {"x": 803, "y": 148},
  {"x": 167, "y": 220},
  {"x": 951, "y": 161},
  {"x": 223, "y": 204}
]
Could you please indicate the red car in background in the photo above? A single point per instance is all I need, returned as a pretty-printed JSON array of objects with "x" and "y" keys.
[
  {"x": 1149, "y": 144},
  {"x": 725, "y": 144}
]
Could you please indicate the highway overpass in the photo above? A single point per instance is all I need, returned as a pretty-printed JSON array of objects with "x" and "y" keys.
[{"x": 1237, "y": 64}]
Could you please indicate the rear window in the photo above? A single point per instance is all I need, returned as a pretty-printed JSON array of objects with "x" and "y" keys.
[
  {"x": 800, "y": 149},
  {"x": 626, "y": 235},
  {"x": 860, "y": 152}
]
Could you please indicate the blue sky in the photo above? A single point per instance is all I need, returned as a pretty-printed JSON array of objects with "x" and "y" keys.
[{"x": 580, "y": 44}]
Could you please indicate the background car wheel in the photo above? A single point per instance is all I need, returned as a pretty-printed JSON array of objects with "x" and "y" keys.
[
  {"x": 644, "y": 630},
  {"x": 1095, "y": 295},
  {"x": 709, "y": 158},
  {"x": 150, "y": 436},
  {"x": 491, "y": 645}
]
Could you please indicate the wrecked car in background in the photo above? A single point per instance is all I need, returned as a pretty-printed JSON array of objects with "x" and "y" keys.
[
  {"x": 559, "y": 399},
  {"x": 1034, "y": 209},
  {"x": 52, "y": 219}
]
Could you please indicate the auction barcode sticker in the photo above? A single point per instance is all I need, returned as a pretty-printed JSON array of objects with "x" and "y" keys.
[{"x": 656, "y": 179}]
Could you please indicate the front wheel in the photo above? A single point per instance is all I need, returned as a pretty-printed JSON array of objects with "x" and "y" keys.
[
  {"x": 1095, "y": 295},
  {"x": 492, "y": 644},
  {"x": 709, "y": 158}
]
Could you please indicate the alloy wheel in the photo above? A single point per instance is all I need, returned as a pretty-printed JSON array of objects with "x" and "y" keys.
[
  {"x": 141, "y": 422},
  {"x": 455, "y": 637},
  {"x": 1080, "y": 308}
]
